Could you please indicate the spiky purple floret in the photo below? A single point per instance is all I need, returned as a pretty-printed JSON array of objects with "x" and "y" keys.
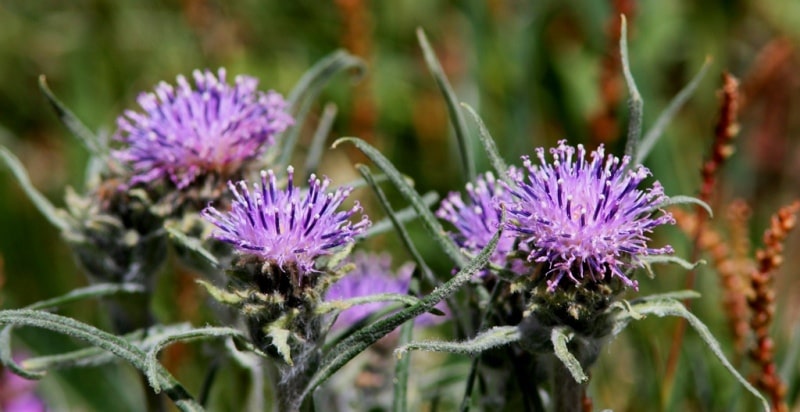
[
  {"x": 184, "y": 132},
  {"x": 373, "y": 275},
  {"x": 288, "y": 225},
  {"x": 477, "y": 217},
  {"x": 586, "y": 218}
]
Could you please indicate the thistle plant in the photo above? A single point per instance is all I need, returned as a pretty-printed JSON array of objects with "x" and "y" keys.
[
  {"x": 286, "y": 241},
  {"x": 545, "y": 254}
]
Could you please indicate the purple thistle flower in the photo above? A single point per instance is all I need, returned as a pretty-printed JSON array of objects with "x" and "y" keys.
[
  {"x": 477, "y": 219},
  {"x": 286, "y": 226},
  {"x": 373, "y": 275},
  {"x": 184, "y": 133},
  {"x": 586, "y": 218}
]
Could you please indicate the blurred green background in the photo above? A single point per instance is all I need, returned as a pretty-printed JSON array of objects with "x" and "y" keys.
[{"x": 537, "y": 71}]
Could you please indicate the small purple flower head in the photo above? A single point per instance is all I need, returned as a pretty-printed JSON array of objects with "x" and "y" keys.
[
  {"x": 286, "y": 226},
  {"x": 477, "y": 219},
  {"x": 373, "y": 275},
  {"x": 184, "y": 132},
  {"x": 584, "y": 218}
]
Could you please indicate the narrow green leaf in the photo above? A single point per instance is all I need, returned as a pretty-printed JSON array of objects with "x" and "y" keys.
[
  {"x": 403, "y": 215},
  {"x": 93, "y": 291},
  {"x": 191, "y": 243},
  {"x": 635, "y": 103},
  {"x": 333, "y": 305},
  {"x": 93, "y": 356},
  {"x": 456, "y": 117},
  {"x": 431, "y": 223},
  {"x": 682, "y": 200},
  {"x": 649, "y": 260},
  {"x": 671, "y": 307},
  {"x": 398, "y": 225},
  {"x": 560, "y": 336},
  {"x": 96, "y": 337},
  {"x": 305, "y": 93},
  {"x": 56, "y": 216},
  {"x": 151, "y": 362},
  {"x": 92, "y": 142},
  {"x": 489, "y": 144},
  {"x": 488, "y": 339},
  {"x": 320, "y": 137},
  {"x": 401, "y": 371},
  {"x": 353, "y": 345},
  {"x": 651, "y": 137},
  {"x": 676, "y": 295}
]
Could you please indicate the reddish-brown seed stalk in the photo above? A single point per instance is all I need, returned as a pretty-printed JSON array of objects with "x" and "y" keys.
[{"x": 762, "y": 304}]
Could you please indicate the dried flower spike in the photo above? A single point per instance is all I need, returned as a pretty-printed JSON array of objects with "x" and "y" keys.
[
  {"x": 585, "y": 219},
  {"x": 762, "y": 303},
  {"x": 286, "y": 226},
  {"x": 213, "y": 128}
]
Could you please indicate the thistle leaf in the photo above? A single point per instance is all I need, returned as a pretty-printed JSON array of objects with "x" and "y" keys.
[
  {"x": 488, "y": 339},
  {"x": 56, "y": 216},
  {"x": 191, "y": 244},
  {"x": 151, "y": 363},
  {"x": 670, "y": 307},
  {"x": 489, "y": 144},
  {"x": 306, "y": 92},
  {"x": 560, "y": 336},
  {"x": 104, "y": 340},
  {"x": 682, "y": 200},
  {"x": 351, "y": 346},
  {"x": 635, "y": 103},
  {"x": 96, "y": 146},
  {"x": 428, "y": 219},
  {"x": 456, "y": 117}
]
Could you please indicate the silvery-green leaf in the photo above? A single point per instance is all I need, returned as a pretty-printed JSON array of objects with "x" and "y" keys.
[
  {"x": 92, "y": 142},
  {"x": 305, "y": 93},
  {"x": 428, "y": 219},
  {"x": 354, "y": 344},
  {"x": 488, "y": 339},
  {"x": 456, "y": 117},
  {"x": 681, "y": 200},
  {"x": 56, "y": 216},
  {"x": 489, "y": 145},
  {"x": 152, "y": 365},
  {"x": 320, "y": 137},
  {"x": 191, "y": 244},
  {"x": 635, "y": 103},
  {"x": 96, "y": 337},
  {"x": 671, "y": 307},
  {"x": 560, "y": 336}
]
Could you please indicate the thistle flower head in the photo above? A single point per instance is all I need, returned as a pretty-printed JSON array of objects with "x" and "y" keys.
[
  {"x": 213, "y": 128},
  {"x": 286, "y": 226},
  {"x": 585, "y": 218},
  {"x": 477, "y": 218},
  {"x": 373, "y": 275}
]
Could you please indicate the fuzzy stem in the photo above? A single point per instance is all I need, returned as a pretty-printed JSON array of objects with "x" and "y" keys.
[
  {"x": 567, "y": 392},
  {"x": 294, "y": 378}
]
